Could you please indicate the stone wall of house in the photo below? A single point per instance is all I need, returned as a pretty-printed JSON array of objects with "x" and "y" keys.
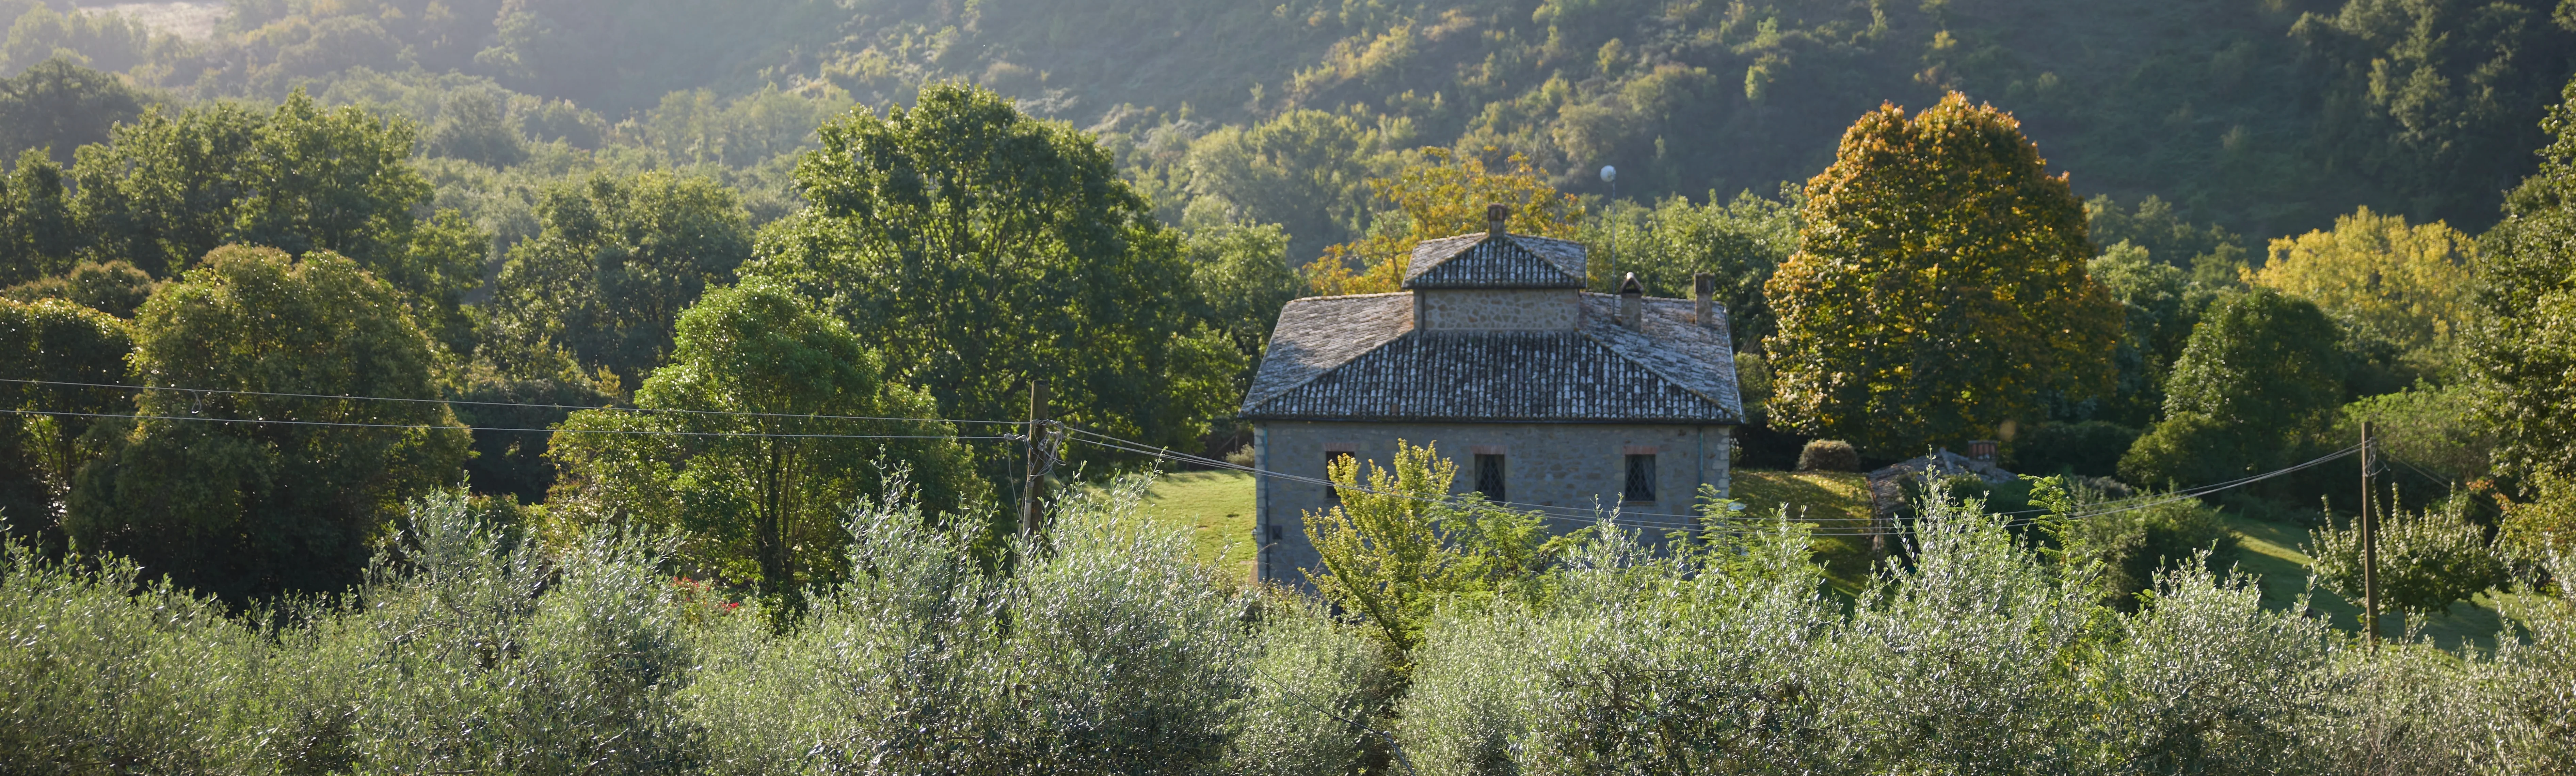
[
  {"x": 1575, "y": 467},
  {"x": 1521, "y": 309}
]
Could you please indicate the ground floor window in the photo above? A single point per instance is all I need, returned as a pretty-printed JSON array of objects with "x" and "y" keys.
[
  {"x": 1641, "y": 479},
  {"x": 1489, "y": 476},
  {"x": 1334, "y": 494}
]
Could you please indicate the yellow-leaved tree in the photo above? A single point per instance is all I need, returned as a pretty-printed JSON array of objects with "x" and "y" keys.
[
  {"x": 1439, "y": 194},
  {"x": 1939, "y": 288},
  {"x": 1401, "y": 545},
  {"x": 2405, "y": 286}
]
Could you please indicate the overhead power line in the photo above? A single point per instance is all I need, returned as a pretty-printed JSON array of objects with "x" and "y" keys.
[
  {"x": 426, "y": 427},
  {"x": 522, "y": 405},
  {"x": 1666, "y": 520}
]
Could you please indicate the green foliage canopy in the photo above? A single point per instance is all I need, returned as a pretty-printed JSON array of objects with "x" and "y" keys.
[
  {"x": 978, "y": 248},
  {"x": 55, "y": 341},
  {"x": 1399, "y": 546},
  {"x": 617, "y": 261},
  {"x": 734, "y": 448},
  {"x": 200, "y": 490},
  {"x": 2523, "y": 343},
  {"x": 2427, "y": 559},
  {"x": 38, "y": 233},
  {"x": 1939, "y": 286},
  {"x": 2159, "y": 303},
  {"x": 1739, "y": 241},
  {"x": 2259, "y": 380},
  {"x": 1242, "y": 278},
  {"x": 57, "y": 106},
  {"x": 169, "y": 188}
]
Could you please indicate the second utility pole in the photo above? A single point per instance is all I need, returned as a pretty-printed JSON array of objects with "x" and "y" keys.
[
  {"x": 2369, "y": 549},
  {"x": 1031, "y": 509}
]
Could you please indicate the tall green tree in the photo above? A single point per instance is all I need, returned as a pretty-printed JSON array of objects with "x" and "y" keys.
[
  {"x": 63, "y": 343},
  {"x": 2261, "y": 377},
  {"x": 1739, "y": 242},
  {"x": 616, "y": 261},
  {"x": 57, "y": 106},
  {"x": 2522, "y": 344},
  {"x": 1400, "y": 545},
  {"x": 171, "y": 187},
  {"x": 978, "y": 248},
  {"x": 736, "y": 445},
  {"x": 1242, "y": 278},
  {"x": 250, "y": 495},
  {"x": 1306, "y": 170},
  {"x": 1939, "y": 287},
  {"x": 2159, "y": 304},
  {"x": 38, "y": 235}
]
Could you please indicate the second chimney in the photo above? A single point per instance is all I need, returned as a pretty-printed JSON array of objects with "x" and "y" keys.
[
  {"x": 1703, "y": 289},
  {"x": 1632, "y": 303},
  {"x": 1494, "y": 217}
]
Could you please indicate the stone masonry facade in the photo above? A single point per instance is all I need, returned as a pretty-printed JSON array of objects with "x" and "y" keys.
[
  {"x": 1578, "y": 470},
  {"x": 1548, "y": 398},
  {"x": 1531, "y": 309}
]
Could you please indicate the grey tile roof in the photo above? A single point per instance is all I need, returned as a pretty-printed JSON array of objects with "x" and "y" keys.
[
  {"x": 1359, "y": 358},
  {"x": 1482, "y": 261}
]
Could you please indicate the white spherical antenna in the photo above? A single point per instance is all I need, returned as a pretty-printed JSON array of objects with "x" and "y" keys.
[{"x": 1609, "y": 173}]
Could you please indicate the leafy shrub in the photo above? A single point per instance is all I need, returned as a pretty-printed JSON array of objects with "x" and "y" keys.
[
  {"x": 2135, "y": 541},
  {"x": 2091, "y": 448},
  {"x": 1106, "y": 649},
  {"x": 115, "y": 288},
  {"x": 1109, "y": 650},
  {"x": 104, "y": 673},
  {"x": 2259, "y": 378},
  {"x": 2427, "y": 559},
  {"x": 1320, "y": 696},
  {"x": 1828, "y": 455}
]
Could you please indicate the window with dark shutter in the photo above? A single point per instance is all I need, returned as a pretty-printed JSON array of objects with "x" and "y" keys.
[
  {"x": 1641, "y": 479},
  {"x": 1489, "y": 476}
]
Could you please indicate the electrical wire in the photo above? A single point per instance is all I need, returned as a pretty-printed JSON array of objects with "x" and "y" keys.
[
  {"x": 219, "y": 391},
  {"x": 1059, "y": 438},
  {"x": 1650, "y": 519},
  {"x": 415, "y": 427}
]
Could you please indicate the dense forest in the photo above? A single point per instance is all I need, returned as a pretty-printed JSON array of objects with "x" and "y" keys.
[{"x": 557, "y": 385}]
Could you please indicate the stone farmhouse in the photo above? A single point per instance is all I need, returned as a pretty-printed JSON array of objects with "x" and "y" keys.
[{"x": 1547, "y": 396}]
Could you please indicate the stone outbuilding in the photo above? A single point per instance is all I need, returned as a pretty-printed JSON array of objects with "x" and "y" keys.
[{"x": 1547, "y": 397}]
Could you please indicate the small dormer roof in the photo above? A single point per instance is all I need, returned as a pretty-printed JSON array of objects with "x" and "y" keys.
[{"x": 1495, "y": 259}]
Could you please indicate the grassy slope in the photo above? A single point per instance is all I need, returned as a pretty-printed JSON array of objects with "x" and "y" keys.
[
  {"x": 1834, "y": 501},
  {"x": 2271, "y": 553},
  {"x": 1217, "y": 509}
]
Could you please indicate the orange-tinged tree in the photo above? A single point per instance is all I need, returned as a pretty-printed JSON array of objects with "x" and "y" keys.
[
  {"x": 1939, "y": 287},
  {"x": 1442, "y": 194}
]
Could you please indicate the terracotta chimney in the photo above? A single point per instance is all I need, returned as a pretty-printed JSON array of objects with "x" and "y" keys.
[
  {"x": 1703, "y": 287},
  {"x": 1495, "y": 215},
  {"x": 1632, "y": 303}
]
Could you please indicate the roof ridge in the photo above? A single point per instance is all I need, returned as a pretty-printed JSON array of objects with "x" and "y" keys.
[
  {"x": 1495, "y": 260},
  {"x": 1598, "y": 327}
]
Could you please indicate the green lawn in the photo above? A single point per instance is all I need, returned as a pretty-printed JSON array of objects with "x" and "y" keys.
[
  {"x": 2271, "y": 553},
  {"x": 1833, "y": 501},
  {"x": 1217, "y": 509}
]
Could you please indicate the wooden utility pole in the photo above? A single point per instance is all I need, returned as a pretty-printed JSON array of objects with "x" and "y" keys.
[
  {"x": 1030, "y": 509},
  {"x": 2369, "y": 548}
]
